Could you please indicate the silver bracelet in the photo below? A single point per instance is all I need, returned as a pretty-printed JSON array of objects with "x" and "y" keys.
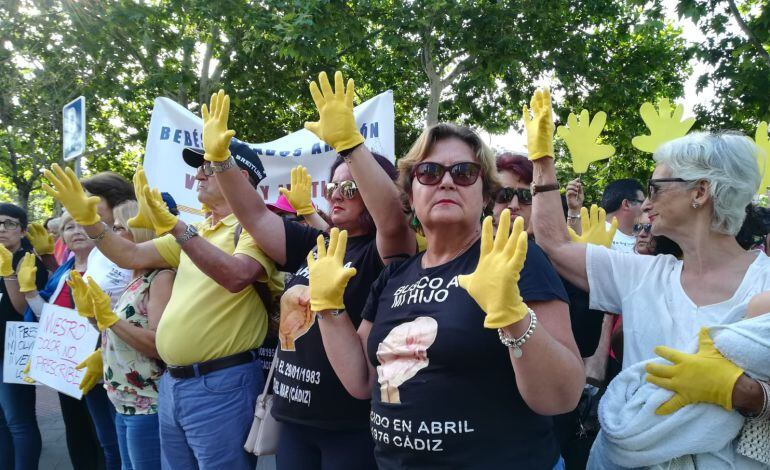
[
  {"x": 219, "y": 167},
  {"x": 764, "y": 413},
  {"x": 334, "y": 313},
  {"x": 517, "y": 343},
  {"x": 101, "y": 236}
]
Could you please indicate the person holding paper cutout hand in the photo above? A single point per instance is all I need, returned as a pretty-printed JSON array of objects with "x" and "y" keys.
[
  {"x": 474, "y": 312},
  {"x": 322, "y": 425},
  {"x": 696, "y": 197}
]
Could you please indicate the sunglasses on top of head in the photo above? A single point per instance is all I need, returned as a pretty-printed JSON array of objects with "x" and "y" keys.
[
  {"x": 431, "y": 173},
  {"x": 505, "y": 195}
]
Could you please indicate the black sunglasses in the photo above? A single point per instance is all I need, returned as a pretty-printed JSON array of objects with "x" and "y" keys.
[
  {"x": 505, "y": 195},
  {"x": 639, "y": 228},
  {"x": 431, "y": 173},
  {"x": 653, "y": 188},
  {"x": 348, "y": 189}
]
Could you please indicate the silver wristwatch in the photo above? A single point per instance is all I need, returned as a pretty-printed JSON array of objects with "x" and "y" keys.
[
  {"x": 219, "y": 167},
  {"x": 189, "y": 232}
]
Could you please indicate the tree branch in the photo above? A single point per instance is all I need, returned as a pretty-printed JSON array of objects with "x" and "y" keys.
[
  {"x": 745, "y": 28},
  {"x": 459, "y": 68}
]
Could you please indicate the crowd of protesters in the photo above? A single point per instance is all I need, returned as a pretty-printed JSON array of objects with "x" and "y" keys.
[{"x": 443, "y": 314}]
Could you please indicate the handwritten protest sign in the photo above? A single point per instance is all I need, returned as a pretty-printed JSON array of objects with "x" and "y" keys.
[
  {"x": 19, "y": 341},
  {"x": 64, "y": 339}
]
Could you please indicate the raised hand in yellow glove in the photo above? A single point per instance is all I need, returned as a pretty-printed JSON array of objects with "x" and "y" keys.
[
  {"x": 763, "y": 141},
  {"x": 6, "y": 261},
  {"x": 26, "y": 272},
  {"x": 336, "y": 125},
  {"x": 141, "y": 219},
  {"x": 94, "y": 371},
  {"x": 328, "y": 275},
  {"x": 494, "y": 285},
  {"x": 299, "y": 194},
  {"x": 41, "y": 240},
  {"x": 68, "y": 190},
  {"x": 79, "y": 290},
  {"x": 101, "y": 302},
  {"x": 216, "y": 136},
  {"x": 666, "y": 124},
  {"x": 155, "y": 209},
  {"x": 703, "y": 377},
  {"x": 581, "y": 135},
  {"x": 594, "y": 227},
  {"x": 539, "y": 125}
]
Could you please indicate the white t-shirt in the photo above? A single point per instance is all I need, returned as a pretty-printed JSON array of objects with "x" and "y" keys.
[
  {"x": 112, "y": 279},
  {"x": 622, "y": 242},
  {"x": 655, "y": 309}
]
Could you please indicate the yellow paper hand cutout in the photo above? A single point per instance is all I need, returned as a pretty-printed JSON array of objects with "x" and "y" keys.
[
  {"x": 666, "y": 124},
  {"x": 581, "y": 135},
  {"x": 763, "y": 142}
]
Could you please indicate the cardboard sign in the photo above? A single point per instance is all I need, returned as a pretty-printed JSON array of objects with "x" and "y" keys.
[
  {"x": 64, "y": 340},
  {"x": 19, "y": 341}
]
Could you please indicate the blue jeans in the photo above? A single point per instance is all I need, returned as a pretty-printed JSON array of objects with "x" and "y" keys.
[
  {"x": 19, "y": 435},
  {"x": 139, "y": 441},
  {"x": 204, "y": 421},
  {"x": 103, "y": 416}
]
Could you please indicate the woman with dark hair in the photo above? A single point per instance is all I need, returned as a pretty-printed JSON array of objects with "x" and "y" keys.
[{"x": 323, "y": 425}]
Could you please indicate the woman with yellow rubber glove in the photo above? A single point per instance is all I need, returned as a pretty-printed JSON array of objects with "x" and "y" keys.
[
  {"x": 696, "y": 197},
  {"x": 299, "y": 198},
  {"x": 464, "y": 349},
  {"x": 128, "y": 360},
  {"x": 322, "y": 425}
]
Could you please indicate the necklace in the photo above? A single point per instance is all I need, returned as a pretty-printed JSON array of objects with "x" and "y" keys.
[{"x": 459, "y": 252}]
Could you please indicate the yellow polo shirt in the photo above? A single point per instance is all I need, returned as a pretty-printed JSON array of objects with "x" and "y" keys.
[{"x": 203, "y": 320}]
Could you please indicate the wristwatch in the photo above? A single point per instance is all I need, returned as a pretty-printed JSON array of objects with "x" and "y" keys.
[
  {"x": 542, "y": 188},
  {"x": 189, "y": 232},
  {"x": 103, "y": 233},
  {"x": 219, "y": 167}
]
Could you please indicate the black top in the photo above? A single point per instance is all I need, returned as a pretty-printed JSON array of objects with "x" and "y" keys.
[
  {"x": 7, "y": 312},
  {"x": 445, "y": 394},
  {"x": 586, "y": 323},
  {"x": 306, "y": 389}
]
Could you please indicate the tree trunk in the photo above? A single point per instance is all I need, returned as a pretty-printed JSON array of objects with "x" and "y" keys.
[{"x": 435, "y": 99}]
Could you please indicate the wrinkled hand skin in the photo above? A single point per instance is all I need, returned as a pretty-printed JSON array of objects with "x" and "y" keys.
[{"x": 296, "y": 316}]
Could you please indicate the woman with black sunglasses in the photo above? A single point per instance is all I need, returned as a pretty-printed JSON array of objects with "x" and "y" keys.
[
  {"x": 322, "y": 425},
  {"x": 450, "y": 389}
]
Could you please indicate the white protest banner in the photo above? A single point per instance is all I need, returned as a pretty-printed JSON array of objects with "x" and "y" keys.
[
  {"x": 64, "y": 340},
  {"x": 172, "y": 128},
  {"x": 19, "y": 341}
]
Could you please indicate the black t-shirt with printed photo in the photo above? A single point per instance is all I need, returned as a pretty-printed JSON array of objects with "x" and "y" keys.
[
  {"x": 445, "y": 395},
  {"x": 306, "y": 389},
  {"x": 7, "y": 312}
]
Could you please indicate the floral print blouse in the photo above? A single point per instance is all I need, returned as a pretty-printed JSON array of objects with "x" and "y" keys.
[{"x": 131, "y": 378}]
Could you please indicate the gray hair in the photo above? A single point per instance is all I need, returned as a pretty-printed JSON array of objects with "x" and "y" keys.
[{"x": 728, "y": 161}]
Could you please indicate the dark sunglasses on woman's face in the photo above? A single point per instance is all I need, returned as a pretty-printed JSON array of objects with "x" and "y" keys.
[
  {"x": 431, "y": 173},
  {"x": 348, "y": 189},
  {"x": 505, "y": 195},
  {"x": 639, "y": 228}
]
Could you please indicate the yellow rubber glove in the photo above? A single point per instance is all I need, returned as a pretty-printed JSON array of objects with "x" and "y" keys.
[
  {"x": 328, "y": 275},
  {"x": 581, "y": 135},
  {"x": 665, "y": 124},
  {"x": 763, "y": 141},
  {"x": 26, "y": 272},
  {"x": 6, "y": 261},
  {"x": 94, "y": 371},
  {"x": 68, "y": 190},
  {"x": 539, "y": 125},
  {"x": 141, "y": 219},
  {"x": 156, "y": 210},
  {"x": 299, "y": 194},
  {"x": 102, "y": 305},
  {"x": 25, "y": 373},
  {"x": 336, "y": 125},
  {"x": 494, "y": 285},
  {"x": 216, "y": 136},
  {"x": 79, "y": 290},
  {"x": 41, "y": 240},
  {"x": 594, "y": 227},
  {"x": 703, "y": 377}
]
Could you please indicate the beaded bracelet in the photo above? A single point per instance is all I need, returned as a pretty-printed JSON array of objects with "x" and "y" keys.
[
  {"x": 517, "y": 343},
  {"x": 764, "y": 413}
]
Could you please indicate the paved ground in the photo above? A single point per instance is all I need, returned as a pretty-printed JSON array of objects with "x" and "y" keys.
[{"x": 55, "y": 455}]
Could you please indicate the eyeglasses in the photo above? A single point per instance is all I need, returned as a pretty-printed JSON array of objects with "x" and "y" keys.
[
  {"x": 639, "y": 228},
  {"x": 431, "y": 173},
  {"x": 653, "y": 188},
  {"x": 207, "y": 169},
  {"x": 348, "y": 189},
  {"x": 635, "y": 201},
  {"x": 118, "y": 229},
  {"x": 505, "y": 195},
  {"x": 9, "y": 224}
]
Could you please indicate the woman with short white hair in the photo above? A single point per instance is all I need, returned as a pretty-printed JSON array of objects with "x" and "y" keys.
[{"x": 697, "y": 197}]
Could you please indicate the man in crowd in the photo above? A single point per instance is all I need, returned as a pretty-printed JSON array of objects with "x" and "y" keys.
[{"x": 622, "y": 199}]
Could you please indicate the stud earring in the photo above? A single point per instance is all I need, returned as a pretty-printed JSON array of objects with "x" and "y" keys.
[{"x": 695, "y": 204}]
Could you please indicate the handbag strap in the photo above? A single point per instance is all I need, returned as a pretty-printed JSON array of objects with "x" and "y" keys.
[{"x": 270, "y": 374}]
